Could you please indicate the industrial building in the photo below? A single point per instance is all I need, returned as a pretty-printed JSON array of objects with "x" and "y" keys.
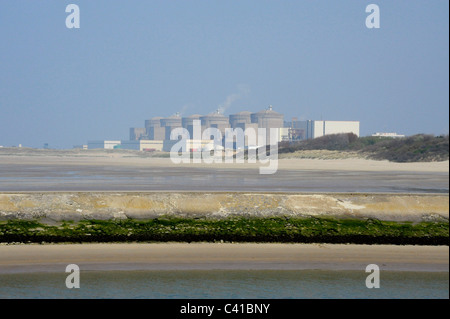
[
  {"x": 142, "y": 145},
  {"x": 109, "y": 145},
  {"x": 268, "y": 119},
  {"x": 170, "y": 123},
  {"x": 243, "y": 120},
  {"x": 156, "y": 133},
  {"x": 309, "y": 129},
  {"x": 137, "y": 133},
  {"x": 154, "y": 129},
  {"x": 215, "y": 120},
  {"x": 188, "y": 123}
]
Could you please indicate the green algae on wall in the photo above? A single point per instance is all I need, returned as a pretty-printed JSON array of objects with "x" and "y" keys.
[{"x": 233, "y": 229}]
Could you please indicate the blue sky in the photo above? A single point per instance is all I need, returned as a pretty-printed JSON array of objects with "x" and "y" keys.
[{"x": 132, "y": 60}]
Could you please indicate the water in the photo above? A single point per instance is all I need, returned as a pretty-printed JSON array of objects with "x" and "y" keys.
[{"x": 229, "y": 284}]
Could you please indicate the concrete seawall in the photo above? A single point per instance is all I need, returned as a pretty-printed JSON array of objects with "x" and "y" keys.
[{"x": 51, "y": 207}]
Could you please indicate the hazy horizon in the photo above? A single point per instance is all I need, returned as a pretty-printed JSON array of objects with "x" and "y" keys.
[{"x": 130, "y": 61}]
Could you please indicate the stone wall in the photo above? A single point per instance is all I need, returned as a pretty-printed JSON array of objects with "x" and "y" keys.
[{"x": 50, "y": 207}]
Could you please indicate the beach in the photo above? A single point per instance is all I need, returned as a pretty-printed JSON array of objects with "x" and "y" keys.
[
  {"x": 111, "y": 181},
  {"x": 103, "y": 170},
  {"x": 221, "y": 256}
]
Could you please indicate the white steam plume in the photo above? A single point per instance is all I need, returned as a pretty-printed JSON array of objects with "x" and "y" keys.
[
  {"x": 184, "y": 109},
  {"x": 243, "y": 91}
]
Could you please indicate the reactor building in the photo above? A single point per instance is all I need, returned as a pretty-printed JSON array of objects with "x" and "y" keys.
[{"x": 155, "y": 135}]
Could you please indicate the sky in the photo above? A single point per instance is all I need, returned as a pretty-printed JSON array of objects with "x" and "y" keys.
[{"x": 133, "y": 60}]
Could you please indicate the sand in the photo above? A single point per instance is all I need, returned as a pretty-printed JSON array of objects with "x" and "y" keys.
[
  {"x": 220, "y": 256},
  {"x": 126, "y": 171},
  {"x": 133, "y": 159}
]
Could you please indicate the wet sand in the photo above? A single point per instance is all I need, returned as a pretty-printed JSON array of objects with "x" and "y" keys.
[
  {"x": 208, "y": 256},
  {"x": 122, "y": 172}
]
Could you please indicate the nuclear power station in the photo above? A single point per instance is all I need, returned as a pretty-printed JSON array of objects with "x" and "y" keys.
[{"x": 156, "y": 135}]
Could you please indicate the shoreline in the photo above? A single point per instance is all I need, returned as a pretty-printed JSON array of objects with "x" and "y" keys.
[
  {"x": 220, "y": 256},
  {"x": 48, "y": 187}
]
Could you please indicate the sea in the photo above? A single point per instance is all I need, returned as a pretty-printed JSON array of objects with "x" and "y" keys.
[{"x": 226, "y": 284}]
